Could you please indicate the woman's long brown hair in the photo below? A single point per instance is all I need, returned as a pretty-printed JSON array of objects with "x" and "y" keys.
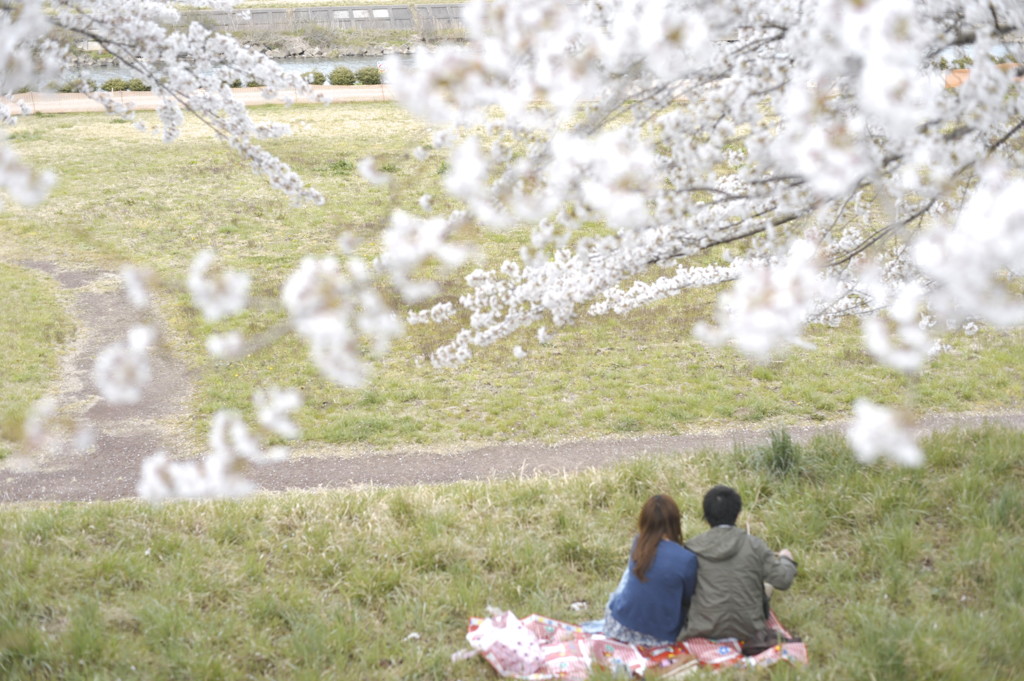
[{"x": 658, "y": 518}]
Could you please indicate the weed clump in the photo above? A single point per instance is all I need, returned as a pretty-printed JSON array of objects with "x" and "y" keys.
[
  {"x": 342, "y": 166},
  {"x": 781, "y": 456}
]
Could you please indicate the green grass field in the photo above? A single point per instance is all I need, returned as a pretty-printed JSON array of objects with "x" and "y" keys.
[
  {"x": 33, "y": 330},
  {"x": 125, "y": 196},
  {"x": 904, "y": 574}
]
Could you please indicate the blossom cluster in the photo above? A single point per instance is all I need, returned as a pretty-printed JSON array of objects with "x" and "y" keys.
[
  {"x": 691, "y": 125},
  {"x": 333, "y": 307},
  {"x": 771, "y": 302},
  {"x": 816, "y": 140},
  {"x": 233, "y": 448},
  {"x": 122, "y": 370},
  {"x": 409, "y": 242},
  {"x": 877, "y": 432},
  {"x": 190, "y": 69}
]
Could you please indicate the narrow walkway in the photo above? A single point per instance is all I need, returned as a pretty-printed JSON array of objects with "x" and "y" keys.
[
  {"x": 111, "y": 473},
  {"x": 74, "y": 102},
  {"x": 123, "y": 436}
]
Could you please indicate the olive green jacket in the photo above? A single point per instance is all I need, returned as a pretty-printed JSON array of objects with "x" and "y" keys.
[{"x": 732, "y": 569}]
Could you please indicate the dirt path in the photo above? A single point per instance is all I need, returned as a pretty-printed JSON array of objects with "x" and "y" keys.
[
  {"x": 123, "y": 436},
  {"x": 126, "y": 435}
]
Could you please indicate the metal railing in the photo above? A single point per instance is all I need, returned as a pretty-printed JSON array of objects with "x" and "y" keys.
[{"x": 422, "y": 19}]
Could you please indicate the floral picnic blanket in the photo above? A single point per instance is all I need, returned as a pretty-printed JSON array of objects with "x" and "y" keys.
[{"x": 538, "y": 648}]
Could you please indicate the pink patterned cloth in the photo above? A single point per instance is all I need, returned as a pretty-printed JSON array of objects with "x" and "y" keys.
[
  {"x": 728, "y": 652},
  {"x": 565, "y": 651},
  {"x": 511, "y": 648}
]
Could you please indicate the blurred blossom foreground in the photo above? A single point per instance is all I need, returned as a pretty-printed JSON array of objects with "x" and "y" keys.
[{"x": 804, "y": 154}]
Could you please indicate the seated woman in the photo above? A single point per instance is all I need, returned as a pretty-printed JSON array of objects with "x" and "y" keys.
[{"x": 650, "y": 605}]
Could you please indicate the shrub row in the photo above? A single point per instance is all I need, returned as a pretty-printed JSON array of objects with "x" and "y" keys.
[
  {"x": 114, "y": 84},
  {"x": 133, "y": 84},
  {"x": 342, "y": 75}
]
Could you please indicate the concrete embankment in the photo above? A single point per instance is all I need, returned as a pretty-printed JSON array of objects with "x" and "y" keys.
[{"x": 61, "y": 102}]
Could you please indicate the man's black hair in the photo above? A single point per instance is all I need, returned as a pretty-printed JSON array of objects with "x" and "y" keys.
[{"x": 722, "y": 506}]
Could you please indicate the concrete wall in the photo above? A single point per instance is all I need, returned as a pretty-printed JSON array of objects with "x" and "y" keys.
[{"x": 422, "y": 19}]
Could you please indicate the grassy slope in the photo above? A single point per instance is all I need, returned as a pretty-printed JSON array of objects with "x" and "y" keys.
[
  {"x": 904, "y": 574},
  {"x": 127, "y": 196},
  {"x": 33, "y": 328}
]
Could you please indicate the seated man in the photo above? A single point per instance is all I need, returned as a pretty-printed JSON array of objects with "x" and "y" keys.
[{"x": 734, "y": 571}]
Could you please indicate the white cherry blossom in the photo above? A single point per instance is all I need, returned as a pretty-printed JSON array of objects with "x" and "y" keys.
[
  {"x": 408, "y": 242},
  {"x": 188, "y": 68},
  {"x": 136, "y": 284},
  {"x": 876, "y": 432},
  {"x": 909, "y": 344},
  {"x": 36, "y": 428},
  {"x": 274, "y": 407},
  {"x": 227, "y": 345},
  {"x": 973, "y": 263},
  {"x": 771, "y": 302},
  {"x": 221, "y": 473},
  {"x": 331, "y": 307},
  {"x": 122, "y": 370},
  {"x": 788, "y": 121},
  {"x": 367, "y": 167},
  {"x": 162, "y": 479},
  {"x": 217, "y": 292}
]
